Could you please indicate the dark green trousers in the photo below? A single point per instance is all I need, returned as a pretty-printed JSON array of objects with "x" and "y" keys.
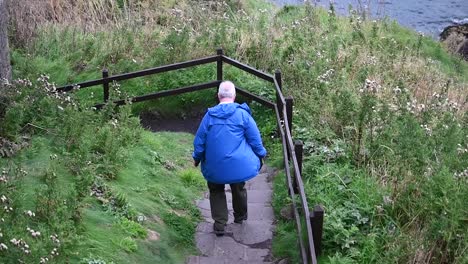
[{"x": 218, "y": 204}]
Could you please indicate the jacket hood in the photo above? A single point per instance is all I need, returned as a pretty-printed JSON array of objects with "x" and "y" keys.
[{"x": 226, "y": 110}]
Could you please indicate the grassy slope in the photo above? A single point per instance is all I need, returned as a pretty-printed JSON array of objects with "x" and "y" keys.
[
  {"x": 163, "y": 196},
  {"x": 155, "y": 192}
]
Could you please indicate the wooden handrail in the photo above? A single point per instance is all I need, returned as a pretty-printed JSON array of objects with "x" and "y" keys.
[
  {"x": 302, "y": 248},
  {"x": 131, "y": 75},
  {"x": 247, "y": 68},
  {"x": 191, "y": 88},
  {"x": 289, "y": 149},
  {"x": 257, "y": 98}
]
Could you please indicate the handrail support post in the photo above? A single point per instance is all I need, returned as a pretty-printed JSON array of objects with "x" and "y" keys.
[
  {"x": 289, "y": 111},
  {"x": 219, "y": 69},
  {"x": 316, "y": 220},
  {"x": 219, "y": 64},
  {"x": 298, "y": 149},
  {"x": 105, "y": 85},
  {"x": 280, "y": 86}
]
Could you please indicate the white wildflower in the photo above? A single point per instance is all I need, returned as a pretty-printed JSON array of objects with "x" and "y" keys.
[
  {"x": 3, "y": 246},
  {"x": 427, "y": 129},
  {"x": 29, "y": 213}
]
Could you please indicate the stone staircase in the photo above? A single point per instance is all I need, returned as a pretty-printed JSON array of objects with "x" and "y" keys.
[{"x": 249, "y": 242}]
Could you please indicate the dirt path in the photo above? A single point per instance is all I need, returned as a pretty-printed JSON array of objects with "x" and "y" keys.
[{"x": 156, "y": 122}]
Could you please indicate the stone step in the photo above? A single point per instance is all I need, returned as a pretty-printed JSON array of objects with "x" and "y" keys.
[
  {"x": 220, "y": 260},
  {"x": 227, "y": 248},
  {"x": 250, "y": 232},
  {"x": 253, "y": 196},
  {"x": 246, "y": 243},
  {"x": 255, "y": 212}
]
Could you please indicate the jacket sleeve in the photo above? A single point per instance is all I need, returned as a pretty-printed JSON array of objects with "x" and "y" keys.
[
  {"x": 252, "y": 135},
  {"x": 200, "y": 140}
]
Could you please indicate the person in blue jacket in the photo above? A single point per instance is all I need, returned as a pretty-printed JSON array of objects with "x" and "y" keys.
[{"x": 229, "y": 147}]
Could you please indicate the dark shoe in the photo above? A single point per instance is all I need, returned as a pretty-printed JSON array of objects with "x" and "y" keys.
[
  {"x": 218, "y": 232},
  {"x": 239, "y": 220}
]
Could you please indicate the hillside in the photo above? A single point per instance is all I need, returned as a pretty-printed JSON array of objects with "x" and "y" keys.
[{"x": 381, "y": 111}]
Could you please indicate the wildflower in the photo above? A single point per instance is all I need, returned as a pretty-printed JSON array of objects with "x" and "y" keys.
[
  {"x": 371, "y": 86},
  {"x": 371, "y": 60},
  {"x": 141, "y": 218},
  {"x": 427, "y": 129},
  {"x": 114, "y": 122},
  {"x": 387, "y": 200},
  {"x": 15, "y": 242},
  {"x": 55, "y": 239},
  {"x": 33, "y": 233},
  {"x": 29, "y": 213},
  {"x": 54, "y": 252},
  {"x": 463, "y": 175},
  {"x": 3, "y": 198},
  {"x": 3, "y": 246},
  {"x": 325, "y": 77},
  {"x": 461, "y": 149}
]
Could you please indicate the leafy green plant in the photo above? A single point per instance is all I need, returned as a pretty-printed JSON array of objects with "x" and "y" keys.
[{"x": 132, "y": 228}]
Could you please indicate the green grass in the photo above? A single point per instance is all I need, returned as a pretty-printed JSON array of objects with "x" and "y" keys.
[
  {"x": 155, "y": 188},
  {"x": 154, "y": 192}
]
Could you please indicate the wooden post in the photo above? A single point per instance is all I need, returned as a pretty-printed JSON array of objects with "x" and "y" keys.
[
  {"x": 316, "y": 220},
  {"x": 278, "y": 78},
  {"x": 105, "y": 85},
  {"x": 280, "y": 86},
  {"x": 298, "y": 149},
  {"x": 219, "y": 64},
  {"x": 219, "y": 70},
  {"x": 289, "y": 111}
]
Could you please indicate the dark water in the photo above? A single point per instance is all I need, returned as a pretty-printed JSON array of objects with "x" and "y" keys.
[{"x": 427, "y": 16}]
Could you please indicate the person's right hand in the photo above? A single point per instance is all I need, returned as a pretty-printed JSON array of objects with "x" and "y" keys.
[{"x": 195, "y": 163}]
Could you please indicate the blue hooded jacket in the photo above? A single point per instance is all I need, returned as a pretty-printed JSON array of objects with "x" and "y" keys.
[{"x": 228, "y": 144}]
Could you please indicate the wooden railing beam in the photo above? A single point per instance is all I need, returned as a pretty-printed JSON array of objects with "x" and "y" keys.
[{"x": 131, "y": 75}]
